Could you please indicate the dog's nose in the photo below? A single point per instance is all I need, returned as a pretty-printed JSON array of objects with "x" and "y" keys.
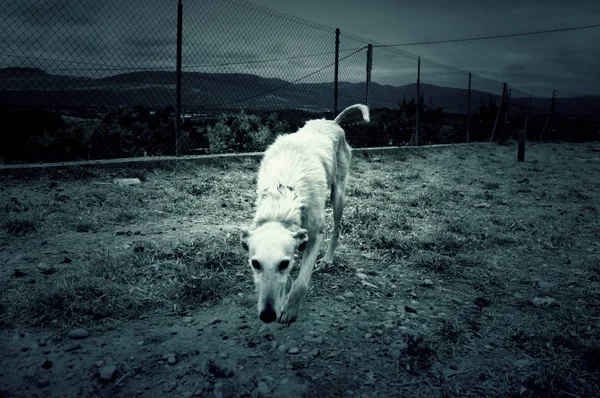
[{"x": 268, "y": 314}]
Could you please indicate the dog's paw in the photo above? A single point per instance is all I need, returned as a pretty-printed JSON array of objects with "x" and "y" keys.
[
  {"x": 289, "y": 313},
  {"x": 292, "y": 308},
  {"x": 324, "y": 265}
]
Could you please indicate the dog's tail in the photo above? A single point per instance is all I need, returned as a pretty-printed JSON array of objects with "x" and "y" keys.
[{"x": 363, "y": 109}]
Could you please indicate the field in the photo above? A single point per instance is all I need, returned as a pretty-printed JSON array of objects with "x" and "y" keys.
[{"x": 460, "y": 272}]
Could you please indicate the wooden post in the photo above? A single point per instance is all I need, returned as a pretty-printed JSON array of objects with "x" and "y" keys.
[
  {"x": 528, "y": 114},
  {"x": 369, "y": 68},
  {"x": 552, "y": 103},
  {"x": 521, "y": 153},
  {"x": 503, "y": 136},
  {"x": 178, "y": 82},
  {"x": 498, "y": 114},
  {"x": 469, "y": 109},
  {"x": 336, "y": 72},
  {"x": 418, "y": 110}
]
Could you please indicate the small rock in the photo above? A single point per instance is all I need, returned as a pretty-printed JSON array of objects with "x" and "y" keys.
[
  {"x": 348, "y": 295},
  {"x": 361, "y": 275},
  {"x": 282, "y": 348},
  {"x": 340, "y": 298},
  {"x": 312, "y": 338},
  {"x": 263, "y": 388},
  {"x": 545, "y": 285},
  {"x": 172, "y": 360},
  {"x": 410, "y": 309},
  {"x": 370, "y": 378},
  {"x": 72, "y": 347},
  {"x": 521, "y": 363},
  {"x": 368, "y": 335},
  {"x": 543, "y": 302},
  {"x": 107, "y": 373},
  {"x": 215, "y": 321},
  {"x": 482, "y": 205},
  {"x": 427, "y": 283},
  {"x": 126, "y": 181},
  {"x": 79, "y": 334},
  {"x": 378, "y": 332},
  {"x": 188, "y": 319},
  {"x": 293, "y": 351}
]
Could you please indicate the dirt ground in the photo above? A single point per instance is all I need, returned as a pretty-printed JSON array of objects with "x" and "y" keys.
[{"x": 460, "y": 272}]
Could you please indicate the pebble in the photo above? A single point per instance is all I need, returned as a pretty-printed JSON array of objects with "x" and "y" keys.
[
  {"x": 79, "y": 334},
  {"x": 361, "y": 275},
  {"x": 172, "y": 360},
  {"x": 282, "y": 348},
  {"x": 368, "y": 335},
  {"x": 107, "y": 373},
  {"x": 340, "y": 298},
  {"x": 72, "y": 347},
  {"x": 543, "y": 302},
  {"x": 293, "y": 350},
  {"x": 263, "y": 388},
  {"x": 427, "y": 283},
  {"x": 313, "y": 338},
  {"x": 348, "y": 295},
  {"x": 545, "y": 285}
]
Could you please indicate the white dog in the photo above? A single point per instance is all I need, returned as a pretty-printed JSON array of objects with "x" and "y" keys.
[{"x": 294, "y": 178}]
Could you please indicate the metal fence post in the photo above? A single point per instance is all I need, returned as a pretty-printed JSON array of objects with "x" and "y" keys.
[
  {"x": 552, "y": 104},
  {"x": 504, "y": 133},
  {"x": 336, "y": 72},
  {"x": 178, "y": 83},
  {"x": 498, "y": 113},
  {"x": 369, "y": 68},
  {"x": 528, "y": 114},
  {"x": 418, "y": 110},
  {"x": 469, "y": 109}
]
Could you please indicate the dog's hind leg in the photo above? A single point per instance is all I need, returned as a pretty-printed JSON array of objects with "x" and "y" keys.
[
  {"x": 301, "y": 284},
  {"x": 338, "y": 201}
]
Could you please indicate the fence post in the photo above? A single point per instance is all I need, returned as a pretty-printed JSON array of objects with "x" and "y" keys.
[
  {"x": 369, "y": 68},
  {"x": 528, "y": 114},
  {"x": 552, "y": 103},
  {"x": 521, "y": 152},
  {"x": 415, "y": 140},
  {"x": 336, "y": 72},
  {"x": 504, "y": 133},
  {"x": 469, "y": 109},
  {"x": 499, "y": 109},
  {"x": 178, "y": 83}
]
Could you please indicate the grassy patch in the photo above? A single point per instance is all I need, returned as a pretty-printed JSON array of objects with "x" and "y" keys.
[
  {"x": 127, "y": 285},
  {"x": 20, "y": 224}
]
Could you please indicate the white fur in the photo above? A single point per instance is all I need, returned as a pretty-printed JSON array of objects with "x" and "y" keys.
[{"x": 296, "y": 174}]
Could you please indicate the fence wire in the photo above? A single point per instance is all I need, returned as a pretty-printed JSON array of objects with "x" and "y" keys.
[{"x": 94, "y": 80}]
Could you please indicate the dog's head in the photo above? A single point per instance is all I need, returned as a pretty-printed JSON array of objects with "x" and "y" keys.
[{"x": 271, "y": 249}]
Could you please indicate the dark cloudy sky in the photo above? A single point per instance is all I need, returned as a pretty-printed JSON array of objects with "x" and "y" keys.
[{"x": 94, "y": 38}]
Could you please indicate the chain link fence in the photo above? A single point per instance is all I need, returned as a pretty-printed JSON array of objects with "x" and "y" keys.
[{"x": 96, "y": 80}]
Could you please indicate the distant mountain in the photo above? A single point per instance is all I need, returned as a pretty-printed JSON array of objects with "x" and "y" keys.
[{"x": 212, "y": 91}]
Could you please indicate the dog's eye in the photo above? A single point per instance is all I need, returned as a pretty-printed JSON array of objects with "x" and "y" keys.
[
  {"x": 284, "y": 264},
  {"x": 256, "y": 265}
]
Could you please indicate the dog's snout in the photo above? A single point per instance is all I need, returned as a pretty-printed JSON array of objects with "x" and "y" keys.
[{"x": 268, "y": 314}]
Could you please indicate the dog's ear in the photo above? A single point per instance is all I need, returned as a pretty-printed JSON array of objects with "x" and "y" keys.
[
  {"x": 244, "y": 238},
  {"x": 301, "y": 237}
]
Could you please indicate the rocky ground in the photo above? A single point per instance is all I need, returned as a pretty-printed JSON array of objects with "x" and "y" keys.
[{"x": 460, "y": 273}]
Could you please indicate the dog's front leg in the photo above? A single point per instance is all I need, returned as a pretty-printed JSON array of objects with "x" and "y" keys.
[{"x": 300, "y": 286}]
